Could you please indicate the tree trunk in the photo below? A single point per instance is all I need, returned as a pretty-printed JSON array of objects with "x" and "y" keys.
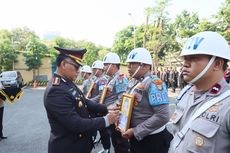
[
  {"x": 34, "y": 74},
  {"x": 146, "y": 25}
]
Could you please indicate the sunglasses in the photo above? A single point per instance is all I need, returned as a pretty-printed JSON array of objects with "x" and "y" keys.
[{"x": 75, "y": 65}]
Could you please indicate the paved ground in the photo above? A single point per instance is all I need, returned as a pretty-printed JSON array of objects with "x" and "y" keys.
[{"x": 26, "y": 124}]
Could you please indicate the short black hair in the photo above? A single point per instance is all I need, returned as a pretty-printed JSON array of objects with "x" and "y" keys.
[
  {"x": 225, "y": 65},
  {"x": 118, "y": 66},
  {"x": 60, "y": 58}
]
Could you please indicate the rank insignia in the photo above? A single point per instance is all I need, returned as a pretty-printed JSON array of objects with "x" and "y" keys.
[
  {"x": 199, "y": 141},
  {"x": 215, "y": 89},
  {"x": 158, "y": 84},
  {"x": 215, "y": 107},
  {"x": 56, "y": 81},
  {"x": 80, "y": 104}
]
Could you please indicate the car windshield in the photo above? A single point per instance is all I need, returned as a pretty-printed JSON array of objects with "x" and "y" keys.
[{"x": 8, "y": 74}]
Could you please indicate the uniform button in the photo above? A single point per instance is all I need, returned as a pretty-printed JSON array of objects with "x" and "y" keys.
[{"x": 80, "y": 135}]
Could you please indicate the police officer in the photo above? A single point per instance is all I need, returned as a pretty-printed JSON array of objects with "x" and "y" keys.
[
  {"x": 69, "y": 111},
  {"x": 100, "y": 83},
  {"x": 2, "y": 99},
  {"x": 12, "y": 94},
  {"x": 100, "y": 79},
  {"x": 86, "y": 72},
  {"x": 147, "y": 132},
  {"x": 117, "y": 85},
  {"x": 201, "y": 120}
]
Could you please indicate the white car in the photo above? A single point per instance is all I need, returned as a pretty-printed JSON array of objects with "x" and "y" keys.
[{"x": 11, "y": 79}]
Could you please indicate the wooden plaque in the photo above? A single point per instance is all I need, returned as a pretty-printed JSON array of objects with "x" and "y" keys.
[
  {"x": 90, "y": 90},
  {"x": 126, "y": 112},
  {"x": 103, "y": 94}
]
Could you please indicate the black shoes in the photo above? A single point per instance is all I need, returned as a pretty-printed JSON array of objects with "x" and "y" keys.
[{"x": 2, "y": 138}]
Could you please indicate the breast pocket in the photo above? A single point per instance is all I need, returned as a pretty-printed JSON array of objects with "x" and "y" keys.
[{"x": 203, "y": 136}]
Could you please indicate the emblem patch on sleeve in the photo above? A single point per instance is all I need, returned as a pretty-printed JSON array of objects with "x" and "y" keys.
[{"x": 158, "y": 94}]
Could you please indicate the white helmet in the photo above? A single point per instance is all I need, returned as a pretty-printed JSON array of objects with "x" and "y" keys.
[
  {"x": 111, "y": 58},
  {"x": 98, "y": 64},
  {"x": 140, "y": 55},
  {"x": 86, "y": 69},
  {"x": 208, "y": 43}
]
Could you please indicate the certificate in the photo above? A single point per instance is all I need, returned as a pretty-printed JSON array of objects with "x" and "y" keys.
[{"x": 126, "y": 112}]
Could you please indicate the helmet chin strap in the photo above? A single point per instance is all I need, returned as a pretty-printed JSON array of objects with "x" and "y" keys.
[
  {"x": 108, "y": 69},
  {"x": 204, "y": 71},
  {"x": 84, "y": 75},
  {"x": 96, "y": 73},
  {"x": 136, "y": 71}
]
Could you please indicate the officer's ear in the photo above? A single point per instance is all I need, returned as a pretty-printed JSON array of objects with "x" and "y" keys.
[
  {"x": 218, "y": 64},
  {"x": 145, "y": 66},
  {"x": 63, "y": 64}
]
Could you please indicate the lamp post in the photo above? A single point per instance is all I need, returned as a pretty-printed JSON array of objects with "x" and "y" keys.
[{"x": 134, "y": 27}]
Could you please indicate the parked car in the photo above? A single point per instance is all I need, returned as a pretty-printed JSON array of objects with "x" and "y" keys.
[{"x": 11, "y": 79}]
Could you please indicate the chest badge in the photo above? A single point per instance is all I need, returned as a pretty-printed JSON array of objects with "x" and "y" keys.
[
  {"x": 215, "y": 107},
  {"x": 199, "y": 141},
  {"x": 80, "y": 104}
]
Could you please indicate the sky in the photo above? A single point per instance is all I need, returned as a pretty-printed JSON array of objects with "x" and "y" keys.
[{"x": 94, "y": 20}]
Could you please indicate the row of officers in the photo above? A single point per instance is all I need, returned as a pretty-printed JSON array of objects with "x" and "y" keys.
[{"x": 200, "y": 123}]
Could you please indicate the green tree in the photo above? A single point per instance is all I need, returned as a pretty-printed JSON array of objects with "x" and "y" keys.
[
  {"x": 223, "y": 20},
  {"x": 154, "y": 37},
  {"x": 186, "y": 24},
  {"x": 21, "y": 37},
  {"x": 92, "y": 51},
  {"x": 124, "y": 42},
  {"x": 35, "y": 51},
  {"x": 7, "y": 53}
]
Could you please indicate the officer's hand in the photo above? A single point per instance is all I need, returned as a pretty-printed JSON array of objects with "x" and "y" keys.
[
  {"x": 113, "y": 107},
  {"x": 113, "y": 116},
  {"x": 127, "y": 134}
]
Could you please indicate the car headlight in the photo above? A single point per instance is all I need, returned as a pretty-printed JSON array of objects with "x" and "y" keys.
[{"x": 13, "y": 81}]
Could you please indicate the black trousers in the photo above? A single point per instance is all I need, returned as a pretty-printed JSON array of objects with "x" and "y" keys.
[
  {"x": 105, "y": 138},
  {"x": 1, "y": 118},
  {"x": 120, "y": 144},
  {"x": 155, "y": 143}
]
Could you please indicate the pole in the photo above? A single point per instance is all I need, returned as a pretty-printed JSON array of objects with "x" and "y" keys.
[
  {"x": 13, "y": 50},
  {"x": 134, "y": 28}
]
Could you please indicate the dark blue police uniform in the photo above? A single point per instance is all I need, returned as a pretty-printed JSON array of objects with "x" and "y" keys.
[{"x": 69, "y": 115}]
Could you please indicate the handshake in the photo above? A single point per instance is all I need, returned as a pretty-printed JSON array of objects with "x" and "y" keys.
[{"x": 113, "y": 115}]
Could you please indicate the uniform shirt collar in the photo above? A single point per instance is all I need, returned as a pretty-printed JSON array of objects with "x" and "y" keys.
[{"x": 116, "y": 74}]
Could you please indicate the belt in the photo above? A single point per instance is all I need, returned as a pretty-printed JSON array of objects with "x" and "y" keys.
[{"x": 158, "y": 130}]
